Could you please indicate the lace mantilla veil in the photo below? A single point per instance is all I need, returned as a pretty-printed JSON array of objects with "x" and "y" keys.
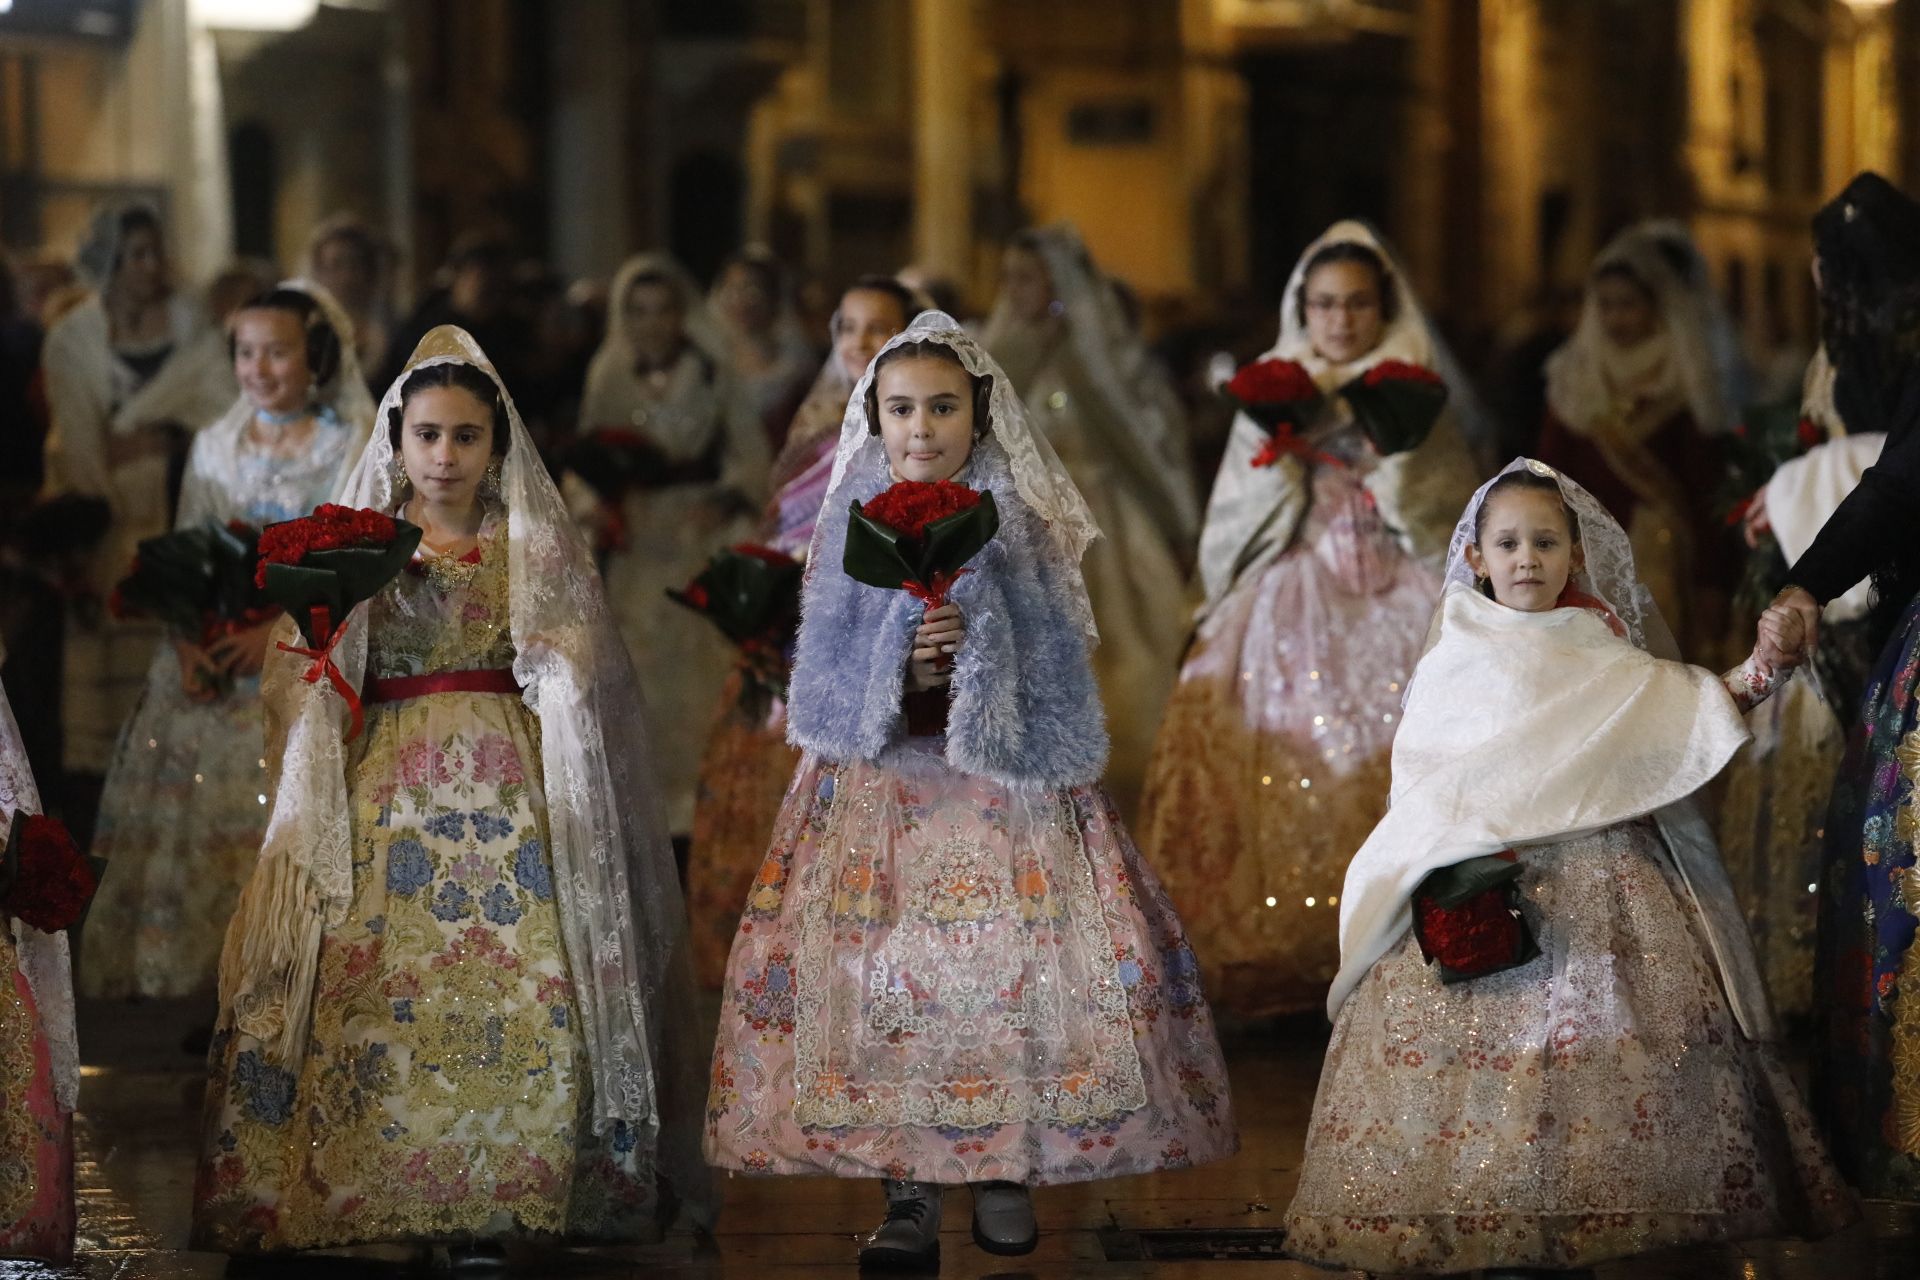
[
  {"x": 1038, "y": 473},
  {"x": 1117, "y": 364},
  {"x": 623, "y": 924},
  {"x": 1608, "y": 575}
]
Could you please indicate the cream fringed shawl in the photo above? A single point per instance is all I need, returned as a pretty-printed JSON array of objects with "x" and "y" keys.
[{"x": 1530, "y": 728}]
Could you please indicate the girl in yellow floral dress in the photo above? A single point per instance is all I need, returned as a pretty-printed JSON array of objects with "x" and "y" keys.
[{"x": 453, "y": 999}]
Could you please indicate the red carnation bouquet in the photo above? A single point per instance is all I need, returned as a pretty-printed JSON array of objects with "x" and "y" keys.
[
  {"x": 752, "y": 593},
  {"x": 1467, "y": 919},
  {"x": 44, "y": 880},
  {"x": 320, "y": 567},
  {"x": 200, "y": 582},
  {"x": 1396, "y": 404},
  {"x": 918, "y": 536},
  {"x": 1281, "y": 396}
]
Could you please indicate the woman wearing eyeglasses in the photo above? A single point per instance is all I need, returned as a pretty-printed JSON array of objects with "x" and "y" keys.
[{"x": 1319, "y": 559}]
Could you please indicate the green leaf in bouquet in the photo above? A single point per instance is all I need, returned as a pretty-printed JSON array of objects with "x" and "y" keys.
[
  {"x": 953, "y": 540},
  {"x": 880, "y": 557},
  {"x": 876, "y": 554},
  {"x": 1456, "y": 885},
  {"x": 338, "y": 579},
  {"x": 746, "y": 596},
  {"x": 1396, "y": 413}
]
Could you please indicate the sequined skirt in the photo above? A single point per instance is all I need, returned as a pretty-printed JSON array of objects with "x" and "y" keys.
[
  {"x": 938, "y": 977},
  {"x": 1598, "y": 1102}
]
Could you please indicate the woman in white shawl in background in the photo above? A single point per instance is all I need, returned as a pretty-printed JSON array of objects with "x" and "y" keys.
[
  {"x": 1062, "y": 334},
  {"x": 657, "y": 377},
  {"x": 184, "y": 807},
  {"x": 129, "y": 371},
  {"x": 1271, "y": 765}
]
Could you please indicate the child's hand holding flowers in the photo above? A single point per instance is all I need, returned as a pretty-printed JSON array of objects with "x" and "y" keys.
[{"x": 935, "y": 641}]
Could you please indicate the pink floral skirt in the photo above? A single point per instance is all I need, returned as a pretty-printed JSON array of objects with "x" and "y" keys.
[
  {"x": 941, "y": 978},
  {"x": 36, "y": 1140}
]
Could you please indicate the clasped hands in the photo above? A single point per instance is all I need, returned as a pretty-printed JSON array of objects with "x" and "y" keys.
[
  {"x": 935, "y": 641},
  {"x": 1788, "y": 631}
]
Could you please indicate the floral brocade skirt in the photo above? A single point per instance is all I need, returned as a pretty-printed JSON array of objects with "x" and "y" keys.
[
  {"x": 940, "y": 978},
  {"x": 1272, "y": 764},
  {"x": 1866, "y": 978},
  {"x": 743, "y": 776},
  {"x": 36, "y": 1141},
  {"x": 445, "y": 1091},
  {"x": 1599, "y": 1101}
]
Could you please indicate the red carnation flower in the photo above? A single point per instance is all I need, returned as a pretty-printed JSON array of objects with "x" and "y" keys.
[
  {"x": 1807, "y": 433},
  {"x": 1273, "y": 382},
  {"x": 1402, "y": 371},
  {"x": 51, "y": 884},
  {"x": 329, "y": 528},
  {"x": 1482, "y": 935},
  {"x": 911, "y": 505}
]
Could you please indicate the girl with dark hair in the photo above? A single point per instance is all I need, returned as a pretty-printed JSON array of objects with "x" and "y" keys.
[
  {"x": 181, "y": 818},
  {"x": 1318, "y": 567},
  {"x": 953, "y": 967},
  {"x": 764, "y": 344},
  {"x": 1866, "y": 1080},
  {"x": 455, "y": 1006}
]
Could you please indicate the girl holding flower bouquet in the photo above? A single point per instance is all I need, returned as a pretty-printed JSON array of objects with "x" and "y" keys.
[
  {"x": 1271, "y": 763},
  {"x": 953, "y": 966},
  {"x": 182, "y": 815},
  {"x": 455, "y": 1005},
  {"x": 1606, "y": 1088}
]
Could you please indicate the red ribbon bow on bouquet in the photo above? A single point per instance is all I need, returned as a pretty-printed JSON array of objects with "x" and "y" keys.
[{"x": 320, "y": 623}]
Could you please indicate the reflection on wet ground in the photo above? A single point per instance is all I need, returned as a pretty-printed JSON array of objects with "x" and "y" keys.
[{"x": 140, "y": 1105}]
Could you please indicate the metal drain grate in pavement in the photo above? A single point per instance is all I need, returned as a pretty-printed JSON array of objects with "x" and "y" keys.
[{"x": 1245, "y": 1244}]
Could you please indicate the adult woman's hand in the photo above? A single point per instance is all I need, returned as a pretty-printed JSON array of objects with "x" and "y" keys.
[{"x": 1799, "y": 601}]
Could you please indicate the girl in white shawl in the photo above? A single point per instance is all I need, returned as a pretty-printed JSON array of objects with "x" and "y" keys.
[
  {"x": 184, "y": 810},
  {"x": 1062, "y": 335},
  {"x": 127, "y": 371},
  {"x": 39, "y": 1060},
  {"x": 1320, "y": 576},
  {"x": 656, "y": 377},
  {"x": 1637, "y": 402},
  {"x": 1614, "y": 1094},
  {"x": 454, "y": 997}
]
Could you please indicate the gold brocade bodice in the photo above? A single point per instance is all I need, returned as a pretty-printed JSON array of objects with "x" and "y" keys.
[{"x": 445, "y": 613}]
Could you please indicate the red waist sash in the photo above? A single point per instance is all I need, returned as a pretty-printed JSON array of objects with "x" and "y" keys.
[{"x": 400, "y": 688}]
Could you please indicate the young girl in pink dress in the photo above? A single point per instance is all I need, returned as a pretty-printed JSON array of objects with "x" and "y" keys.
[
  {"x": 1614, "y": 1094},
  {"x": 953, "y": 966}
]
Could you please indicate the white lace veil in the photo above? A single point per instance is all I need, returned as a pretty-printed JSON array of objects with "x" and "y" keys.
[
  {"x": 1409, "y": 336},
  {"x": 43, "y": 957},
  {"x": 1038, "y": 473},
  {"x": 1702, "y": 341},
  {"x": 1608, "y": 575},
  {"x": 623, "y": 924},
  {"x": 1139, "y": 400}
]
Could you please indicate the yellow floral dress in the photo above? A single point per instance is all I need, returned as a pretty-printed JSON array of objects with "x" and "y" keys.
[{"x": 445, "y": 1092}]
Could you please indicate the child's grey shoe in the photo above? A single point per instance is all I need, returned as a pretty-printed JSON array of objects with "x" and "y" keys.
[
  {"x": 1003, "y": 1218},
  {"x": 909, "y": 1239}
]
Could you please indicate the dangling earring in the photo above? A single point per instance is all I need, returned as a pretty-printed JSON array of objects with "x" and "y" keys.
[
  {"x": 401, "y": 484},
  {"x": 490, "y": 480}
]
